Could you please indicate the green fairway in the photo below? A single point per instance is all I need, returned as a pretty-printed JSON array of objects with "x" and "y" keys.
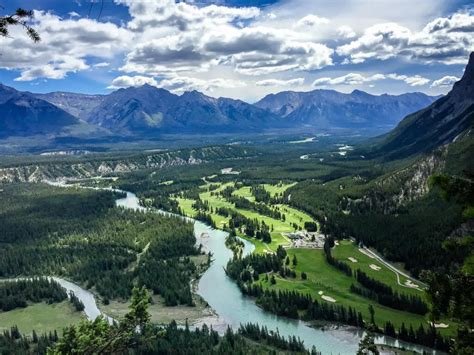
[
  {"x": 245, "y": 191},
  {"x": 335, "y": 284},
  {"x": 347, "y": 249},
  {"x": 278, "y": 189},
  {"x": 41, "y": 317},
  {"x": 186, "y": 206}
]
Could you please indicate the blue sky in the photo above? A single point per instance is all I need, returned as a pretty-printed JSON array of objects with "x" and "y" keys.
[{"x": 240, "y": 48}]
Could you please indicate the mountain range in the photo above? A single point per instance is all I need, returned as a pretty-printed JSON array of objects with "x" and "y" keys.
[
  {"x": 23, "y": 114},
  {"x": 148, "y": 111},
  {"x": 331, "y": 109}
]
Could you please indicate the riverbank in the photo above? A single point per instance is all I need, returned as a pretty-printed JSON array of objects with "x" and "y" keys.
[{"x": 161, "y": 313}]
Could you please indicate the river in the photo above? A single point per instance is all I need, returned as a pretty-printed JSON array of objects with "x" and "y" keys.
[{"x": 232, "y": 308}]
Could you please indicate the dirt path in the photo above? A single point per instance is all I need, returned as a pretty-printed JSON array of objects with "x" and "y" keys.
[{"x": 397, "y": 272}]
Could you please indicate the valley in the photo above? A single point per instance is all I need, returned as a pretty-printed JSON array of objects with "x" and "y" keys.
[
  {"x": 265, "y": 177},
  {"x": 321, "y": 278}
]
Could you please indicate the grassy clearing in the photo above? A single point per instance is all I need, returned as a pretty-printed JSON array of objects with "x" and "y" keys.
[{"x": 41, "y": 317}]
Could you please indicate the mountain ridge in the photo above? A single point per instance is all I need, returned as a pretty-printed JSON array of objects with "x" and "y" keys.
[
  {"x": 444, "y": 121},
  {"x": 150, "y": 111},
  {"x": 23, "y": 114},
  {"x": 330, "y": 108}
]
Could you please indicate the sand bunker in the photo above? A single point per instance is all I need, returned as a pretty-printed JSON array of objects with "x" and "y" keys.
[
  {"x": 326, "y": 298},
  {"x": 354, "y": 260},
  {"x": 374, "y": 267},
  {"x": 409, "y": 283},
  {"x": 440, "y": 325},
  {"x": 336, "y": 242},
  {"x": 329, "y": 299}
]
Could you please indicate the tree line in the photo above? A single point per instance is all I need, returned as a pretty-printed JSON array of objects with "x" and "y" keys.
[
  {"x": 384, "y": 294},
  {"x": 18, "y": 293}
]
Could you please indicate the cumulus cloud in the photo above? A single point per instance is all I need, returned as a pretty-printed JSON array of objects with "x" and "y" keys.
[
  {"x": 176, "y": 45},
  {"x": 278, "y": 82},
  {"x": 346, "y": 32},
  {"x": 182, "y": 37},
  {"x": 445, "y": 82},
  {"x": 415, "y": 80},
  {"x": 101, "y": 65},
  {"x": 182, "y": 16},
  {"x": 358, "y": 79},
  {"x": 126, "y": 81},
  {"x": 65, "y": 46},
  {"x": 180, "y": 84},
  {"x": 447, "y": 40},
  {"x": 312, "y": 21},
  {"x": 348, "y": 79},
  {"x": 177, "y": 84}
]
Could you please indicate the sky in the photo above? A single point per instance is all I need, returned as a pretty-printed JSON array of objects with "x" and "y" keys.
[{"x": 243, "y": 49}]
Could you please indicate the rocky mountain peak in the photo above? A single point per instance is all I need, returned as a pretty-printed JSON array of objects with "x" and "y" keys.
[{"x": 465, "y": 86}]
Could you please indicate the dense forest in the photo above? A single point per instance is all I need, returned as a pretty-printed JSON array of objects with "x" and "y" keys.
[
  {"x": 80, "y": 234},
  {"x": 18, "y": 293}
]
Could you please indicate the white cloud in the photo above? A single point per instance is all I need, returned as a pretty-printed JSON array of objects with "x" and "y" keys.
[
  {"x": 358, "y": 79},
  {"x": 278, "y": 82},
  {"x": 101, "y": 65},
  {"x": 445, "y": 82},
  {"x": 181, "y": 37},
  {"x": 65, "y": 46},
  {"x": 447, "y": 40},
  {"x": 348, "y": 79},
  {"x": 346, "y": 32},
  {"x": 183, "y": 46},
  {"x": 126, "y": 81},
  {"x": 312, "y": 21},
  {"x": 177, "y": 84},
  {"x": 415, "y": 80},
  {"x": 180, "y": 84}
]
